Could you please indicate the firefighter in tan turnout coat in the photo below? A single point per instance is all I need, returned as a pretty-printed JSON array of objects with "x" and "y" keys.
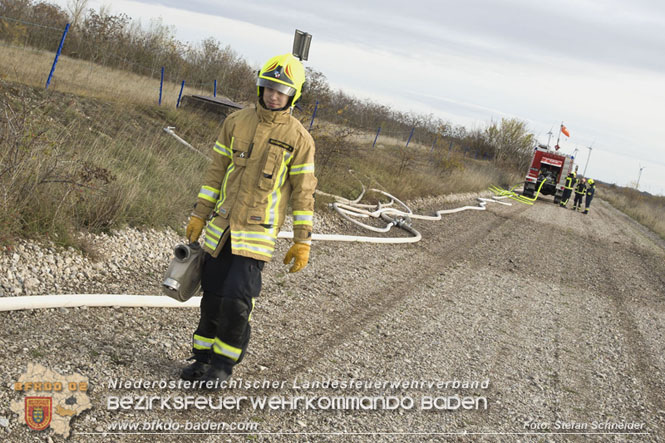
[{"x": 263, "y": 159}]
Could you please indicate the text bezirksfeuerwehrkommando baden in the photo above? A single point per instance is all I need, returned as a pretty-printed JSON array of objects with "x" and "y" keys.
[
  {"x": 166, "y": 402},
  {"x": 392, "y": 395}
]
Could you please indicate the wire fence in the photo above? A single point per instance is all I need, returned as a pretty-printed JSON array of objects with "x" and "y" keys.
[{"x": 165, "y": 69}]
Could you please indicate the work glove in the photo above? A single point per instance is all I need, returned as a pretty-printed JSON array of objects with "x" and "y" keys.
[
  {"x": 299, "y": 251},
  {"x": 194, "y": 228}
]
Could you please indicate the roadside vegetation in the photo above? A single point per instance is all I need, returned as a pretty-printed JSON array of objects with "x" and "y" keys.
[
  {"x": 109, "y": 55},
  {"x": 90, "y": 154},
  {"x": 73, "y": 163},
  {"x": 647, "y": 209}
]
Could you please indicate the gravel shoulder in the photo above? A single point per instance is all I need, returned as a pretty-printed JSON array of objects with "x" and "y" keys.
[{"x": 556, "y": 318}]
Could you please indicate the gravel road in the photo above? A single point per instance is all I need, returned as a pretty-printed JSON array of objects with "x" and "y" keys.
[{"x": 520, "y": 323}]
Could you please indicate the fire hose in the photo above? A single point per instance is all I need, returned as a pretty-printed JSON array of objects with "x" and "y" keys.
[{"x": 350, "y": 210}]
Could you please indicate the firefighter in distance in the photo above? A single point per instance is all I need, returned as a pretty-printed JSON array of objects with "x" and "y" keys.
[
  {"x": 263, "y": 158},
  {"x": 568, "y": 188},
  {"x": 580, "y": 192},
  {"x": 590, "y": 191}
]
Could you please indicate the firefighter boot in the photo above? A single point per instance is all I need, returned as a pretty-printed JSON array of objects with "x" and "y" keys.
[
  {"x": 197, "y": 369},
  {"x": 214, "y": 376}
]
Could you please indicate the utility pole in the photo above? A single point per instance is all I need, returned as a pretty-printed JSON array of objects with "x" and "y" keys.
[
  {"x": 587, "y": 160},
  {"x": 637, "y": 186}
]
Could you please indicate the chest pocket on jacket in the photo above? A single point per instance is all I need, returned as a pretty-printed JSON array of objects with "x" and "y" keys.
[
  {"x": 241, "y": 152},
  {"x": 270, "y": 167}
]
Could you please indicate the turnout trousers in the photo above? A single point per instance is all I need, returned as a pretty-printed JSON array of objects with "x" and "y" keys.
[
  {"x": 230, "y": 284},
  {"x": 577, "y": 204},
  {"x": 587, "y": 203},
  {"x": 565, "y": 197}
]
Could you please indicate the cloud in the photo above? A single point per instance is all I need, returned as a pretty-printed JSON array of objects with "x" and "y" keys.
[
  {"x": 604, "y": 31},
  {"x": 596, "y": 64}
]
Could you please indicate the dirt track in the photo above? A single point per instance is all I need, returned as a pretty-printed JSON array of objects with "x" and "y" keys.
[{"x": 563, "y": 313}]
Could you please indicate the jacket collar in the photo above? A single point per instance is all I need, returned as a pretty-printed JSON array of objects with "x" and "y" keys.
[{"x": 268, "y": 116}]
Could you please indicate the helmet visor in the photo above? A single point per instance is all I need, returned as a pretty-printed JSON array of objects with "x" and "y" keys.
[{"x": 284, "y": 89}]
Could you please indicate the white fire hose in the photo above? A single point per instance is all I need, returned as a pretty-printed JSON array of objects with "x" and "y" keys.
[
  {"x": 93, "y": 300},
  {"x": 347, "y": 209}
]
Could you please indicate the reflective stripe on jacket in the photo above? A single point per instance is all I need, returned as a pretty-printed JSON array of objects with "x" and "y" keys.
[
  {"x": 580, "y": 189},
  {"x": 261, "y": 160}
]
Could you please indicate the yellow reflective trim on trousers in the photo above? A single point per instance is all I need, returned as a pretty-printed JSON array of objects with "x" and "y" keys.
[
  {"x": 202, "y": 343},
  {"x": 303, "y": 212},
  {"x": 303, "y": 223},
  {"x": 223, "y": 150},
  {"x": 252, "y": 310},
  {"x": 226, "y": 350}
]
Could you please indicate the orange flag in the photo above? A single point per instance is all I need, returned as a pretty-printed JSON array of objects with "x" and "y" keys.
[{"x": 565, "y": 131}]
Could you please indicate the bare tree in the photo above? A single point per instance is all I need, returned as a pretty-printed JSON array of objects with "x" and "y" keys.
[{"x": 76, "y": 9}]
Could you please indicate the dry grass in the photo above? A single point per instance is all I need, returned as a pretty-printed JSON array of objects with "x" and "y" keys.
[
  {"x": 32, "y": 66},
  {"x": 404, "y": 172},
  {"x": 648, "y": 210},
  {"x": 90, "y": 153},
  {"x": 365, "y": 138},
  {"x": 71, "y": 164}
]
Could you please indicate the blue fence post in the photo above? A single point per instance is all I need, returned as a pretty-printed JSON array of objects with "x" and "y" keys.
[
  {"x": 177, "y": 105},
  {"x": 161, "y": 86},
  {"x": 378, "y": 131},
  {"x": 57, "y": 54},
  {"x": 316, "y": 106},
  {"x": 214, "y": 91},
  {"x": 410, "y": 135}
]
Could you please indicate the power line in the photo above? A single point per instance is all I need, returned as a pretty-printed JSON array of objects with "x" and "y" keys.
[{"x": 30, "y": 23}]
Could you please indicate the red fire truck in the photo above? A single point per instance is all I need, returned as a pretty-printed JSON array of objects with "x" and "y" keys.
[{"x": 551, "y": 167}]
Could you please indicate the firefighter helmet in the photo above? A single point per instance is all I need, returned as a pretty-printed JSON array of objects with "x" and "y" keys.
[
  {"x": 283, "y": 73},
  {"x": 590, "y": 181}
]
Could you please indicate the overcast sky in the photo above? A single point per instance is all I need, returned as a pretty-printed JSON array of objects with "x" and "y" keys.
[{"x": 598, "y": 66}]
